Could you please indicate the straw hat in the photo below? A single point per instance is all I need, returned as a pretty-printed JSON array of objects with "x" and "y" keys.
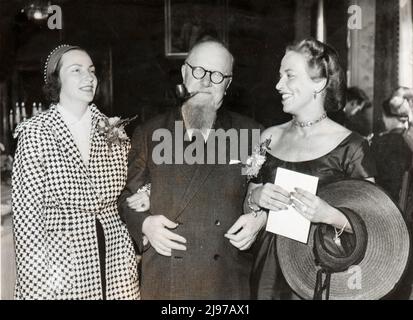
[{"x": 368, "y": 265}]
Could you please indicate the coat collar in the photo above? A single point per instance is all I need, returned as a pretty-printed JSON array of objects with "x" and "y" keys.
[
  {"x": 65, "y": 138},
  {"x": 56, "y": 117}
]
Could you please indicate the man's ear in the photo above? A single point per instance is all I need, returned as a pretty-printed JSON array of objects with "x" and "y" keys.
[
  {"x": 183, "y": 72},
  {"x": 228, "y": 84}
]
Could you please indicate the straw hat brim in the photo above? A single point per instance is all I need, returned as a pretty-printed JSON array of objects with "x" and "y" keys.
[{"x": 387, "y": 251}]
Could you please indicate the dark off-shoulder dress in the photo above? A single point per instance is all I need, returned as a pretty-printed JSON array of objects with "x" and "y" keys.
[{"x": 351, "y": 158}]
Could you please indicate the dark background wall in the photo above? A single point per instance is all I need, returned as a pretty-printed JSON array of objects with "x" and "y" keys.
[
  {"x": 126, "y": 39},
  {"x": 132, "y": 34}
]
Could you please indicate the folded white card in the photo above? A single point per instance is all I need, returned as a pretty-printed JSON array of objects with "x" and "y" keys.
[{"x": 290, "y": 223}]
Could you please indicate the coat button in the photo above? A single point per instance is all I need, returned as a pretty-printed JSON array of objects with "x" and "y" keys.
[
  {"x": 216, "y": 257},
  {"x": 217, "y": 222}
]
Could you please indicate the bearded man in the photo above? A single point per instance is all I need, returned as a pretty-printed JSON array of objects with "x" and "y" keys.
[{"x": 195, "y": 240}]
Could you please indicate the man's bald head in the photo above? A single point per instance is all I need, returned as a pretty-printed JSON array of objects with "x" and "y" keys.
[
  {"x": 215, "y": 47},
  {"x": 212, "y": 56}
]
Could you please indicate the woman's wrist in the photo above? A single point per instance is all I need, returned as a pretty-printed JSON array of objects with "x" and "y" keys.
[
  {"x": 338, "y": 220},
  {"x": 255, "y": 209}
]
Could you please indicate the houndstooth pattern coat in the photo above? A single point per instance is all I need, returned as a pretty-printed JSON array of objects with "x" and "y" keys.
[{"x": 56, "y": 200}]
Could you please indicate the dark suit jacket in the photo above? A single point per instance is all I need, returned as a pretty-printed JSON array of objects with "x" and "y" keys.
[{"x": 206, "y": 200}]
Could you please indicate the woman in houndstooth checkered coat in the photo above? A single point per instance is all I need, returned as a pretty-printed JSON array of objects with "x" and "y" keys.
[{"x": 70, "y": 241}]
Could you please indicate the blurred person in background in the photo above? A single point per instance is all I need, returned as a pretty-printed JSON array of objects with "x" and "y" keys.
[
  {"x": 393, "y": 147},
  {"x": 393, "y": 151},
  {"x": 357, "y": 112}
]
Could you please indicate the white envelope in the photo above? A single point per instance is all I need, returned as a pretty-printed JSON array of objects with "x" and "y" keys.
[{"x": 289, "y": 223}]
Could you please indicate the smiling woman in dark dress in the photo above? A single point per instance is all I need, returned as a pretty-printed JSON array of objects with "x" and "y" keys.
[{"x": 311, "y": 83}]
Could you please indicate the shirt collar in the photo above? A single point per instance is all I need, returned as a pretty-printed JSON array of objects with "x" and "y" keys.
[{"x": 205, "y": 133}]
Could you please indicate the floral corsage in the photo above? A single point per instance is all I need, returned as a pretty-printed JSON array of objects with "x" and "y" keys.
[
  {"x": 114, "y": 130},
  {"x": 254, "y": 163}
]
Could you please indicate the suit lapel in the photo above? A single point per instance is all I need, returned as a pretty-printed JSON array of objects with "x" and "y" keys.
[
  {"x": 199, "y": 176},
  {"x": 202, "y": 171},
  {"x": 186, "y": 171}
]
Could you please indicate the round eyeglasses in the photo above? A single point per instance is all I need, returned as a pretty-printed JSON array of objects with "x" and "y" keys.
[{"x": 215, "y": 76}]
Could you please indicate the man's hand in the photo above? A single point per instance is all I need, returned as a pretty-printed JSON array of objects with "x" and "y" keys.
[
  {"x": 155, "y": 228},
  {"x": 250, "y": 226}
]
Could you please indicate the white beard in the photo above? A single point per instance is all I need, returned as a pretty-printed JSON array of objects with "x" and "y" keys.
[{"x": 198, "y": 115}]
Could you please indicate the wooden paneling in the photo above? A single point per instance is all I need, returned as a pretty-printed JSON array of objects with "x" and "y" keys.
[
  {"x": 362, "y": 50},
  {"x": 385, "y": 58}
]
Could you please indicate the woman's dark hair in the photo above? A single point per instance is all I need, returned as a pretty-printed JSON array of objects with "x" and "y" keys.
[
  {"x": 323, "y": 62},
  {"x": 51, "y": 89}
]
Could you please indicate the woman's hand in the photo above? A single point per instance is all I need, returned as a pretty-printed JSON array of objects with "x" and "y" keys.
[
  {"x": 311, "y": 206},
  {"x": 139, "y": 201},
  {"x": 271, "y": 196},
  {"x": 317, "y": 210}
]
